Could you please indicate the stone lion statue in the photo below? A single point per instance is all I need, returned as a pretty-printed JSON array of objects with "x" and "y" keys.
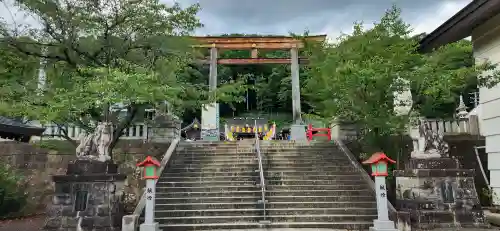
[
  {"x": 95, "y": 145},
  {"x": 427, "y": 143}
]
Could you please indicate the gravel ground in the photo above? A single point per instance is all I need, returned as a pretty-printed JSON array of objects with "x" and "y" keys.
[
  {"x": 36, "y": 223},
  {"x": 25, "y": 224}
]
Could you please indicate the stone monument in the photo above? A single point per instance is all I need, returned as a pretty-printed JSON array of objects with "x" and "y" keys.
[
  {"x": 433, "y": 188},
  {"x": 165, "y": 126},
  {"x": 89, "y": 196}
]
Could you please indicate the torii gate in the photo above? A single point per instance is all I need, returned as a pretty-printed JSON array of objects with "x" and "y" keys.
[{"x": 210, "y": 115}]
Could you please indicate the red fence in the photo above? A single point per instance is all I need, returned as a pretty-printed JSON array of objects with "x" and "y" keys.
[{"x": 318, "y": 131}]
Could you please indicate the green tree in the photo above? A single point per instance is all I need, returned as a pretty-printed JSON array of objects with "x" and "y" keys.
[
  {"x": 17, "y": 72},
  {"x": 354, "y": 79},
  {"x": 105, "y": 53}
]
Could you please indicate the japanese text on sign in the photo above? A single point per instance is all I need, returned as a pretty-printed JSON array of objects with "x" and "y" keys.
[{"x": 149, "y": 191}]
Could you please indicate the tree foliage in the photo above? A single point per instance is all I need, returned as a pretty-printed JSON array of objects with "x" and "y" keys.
[
  {"x": 354, "y": 79},
  {"x": 108, "y": 53}
]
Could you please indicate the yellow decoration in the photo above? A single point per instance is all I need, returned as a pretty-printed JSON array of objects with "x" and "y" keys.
[
  {"x": 232, "y": 128},
  {"x": 243, "y": 129},
  {"x": 195, "y": 126},
  {"x": 230, "y": 136},
  {"x": 260, "y": 128},
  {"x": 237, "y": 128}
]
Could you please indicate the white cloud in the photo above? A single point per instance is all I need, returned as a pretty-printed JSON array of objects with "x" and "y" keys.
[{"x": 432, "y": 19}]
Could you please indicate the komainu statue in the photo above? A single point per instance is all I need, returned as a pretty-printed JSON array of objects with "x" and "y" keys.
[
  {"x": 427, "y": 143},
  {"x": 95, "y": 145}
]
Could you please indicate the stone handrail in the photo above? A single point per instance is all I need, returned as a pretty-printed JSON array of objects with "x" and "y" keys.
[
  {"x": 130, "y": 221},
  {"x": 261, "y": 174},
  {"x": 401, "y": 222}
]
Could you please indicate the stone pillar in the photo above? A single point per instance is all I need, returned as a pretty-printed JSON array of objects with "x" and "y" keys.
[
  {"x": 149, "y": 211},
  {"x": 88, "y": 197},
  {"x": 382, "y": 223},
  {"x": 212, "y": 81},
  {"x": 297, "y": 130},
  {"x": 210, "y": 112},
  {"x": 296, "y": 110}
]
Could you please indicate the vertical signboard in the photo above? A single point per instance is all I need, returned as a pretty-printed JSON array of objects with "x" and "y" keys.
[{"x": 210, "y": 122}]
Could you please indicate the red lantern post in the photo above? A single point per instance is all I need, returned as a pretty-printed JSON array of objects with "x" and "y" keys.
[
  {"x": 379, "y": 162},
  {"x": 150, "y": 174},
  {"x": 150, "y": 166}
]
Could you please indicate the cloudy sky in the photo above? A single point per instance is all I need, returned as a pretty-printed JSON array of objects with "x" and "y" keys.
[
  {"x": 318, "y": 16},
  {"x": 330, "y": 17}
]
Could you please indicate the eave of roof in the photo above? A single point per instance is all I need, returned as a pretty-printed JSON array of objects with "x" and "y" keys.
[
  {"x": 461, "y": 24},
  {"x": 16, "y": 127}
]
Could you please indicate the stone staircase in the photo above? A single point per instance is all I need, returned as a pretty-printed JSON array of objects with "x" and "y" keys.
[{"x": 215, "y": 185}]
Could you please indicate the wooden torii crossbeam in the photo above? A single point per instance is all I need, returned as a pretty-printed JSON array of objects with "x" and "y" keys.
[{"x": 254, "y": 44}]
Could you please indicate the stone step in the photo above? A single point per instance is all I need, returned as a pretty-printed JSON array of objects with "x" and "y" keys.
[
  {"x": 173, "y": 184},
  {"x": 275, "y": 226},
  {"x": 254, "y": 164},
  {"x": 358, "y": 201},
  {"x": 259, "y": 211},
  {"x": 256, "y": 179},
  {"x": 240, "y": 159},
  {"x": 233, "y": 153},
  {"x": 204, "y": 199},
  {"x": 256, "y": 218},
  {"x": 319, "y": 192},
  {"x": 269, "y": 193},
  {"x": 252, "y": 148},
  {"x": 253, "y": 158},
  {"x": 317, "y": 169},
  {"x": 252, "y": 144},
  {"x": 275, "y": 176},
  {"x": 270, "y": 205},
  {"x": 281, "y": 173},
  {"x": 216, "y": 188},
  {"x": 224, "y": 159}
]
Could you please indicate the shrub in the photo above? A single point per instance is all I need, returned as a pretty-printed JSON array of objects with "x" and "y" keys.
[{"x": 12, "y": 196}]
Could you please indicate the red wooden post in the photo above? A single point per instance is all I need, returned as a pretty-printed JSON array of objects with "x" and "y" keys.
[
  {"x": 309, "y": 132},
  {"x": 329, "y": 134}
]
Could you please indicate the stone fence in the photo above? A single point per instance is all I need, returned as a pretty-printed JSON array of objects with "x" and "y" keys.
[
  {"x": 137, "y": 131},
  {"x": 466, "y": 126},
  {"x": 453, "y": 127}
]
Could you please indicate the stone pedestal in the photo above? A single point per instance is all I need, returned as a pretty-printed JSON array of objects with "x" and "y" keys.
[
  {"x": 87, "y": 198},
  {"x": 438, "y": 194},
  {"x": 298, "y": 132}
]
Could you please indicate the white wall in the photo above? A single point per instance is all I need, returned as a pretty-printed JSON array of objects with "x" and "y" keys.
[{"x": 486, "y": 40}]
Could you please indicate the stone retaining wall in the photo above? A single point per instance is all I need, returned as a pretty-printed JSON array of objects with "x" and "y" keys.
[{"x": 38, "y": 162}]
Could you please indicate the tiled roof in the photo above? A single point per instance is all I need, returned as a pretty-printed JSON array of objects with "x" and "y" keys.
[{"x": 13, "y": 126}]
